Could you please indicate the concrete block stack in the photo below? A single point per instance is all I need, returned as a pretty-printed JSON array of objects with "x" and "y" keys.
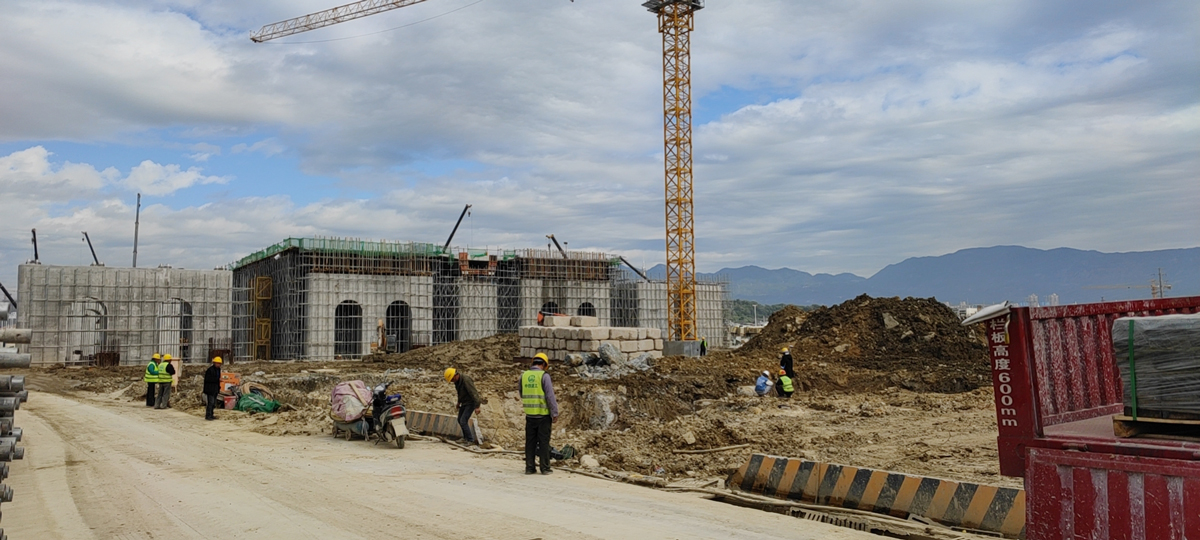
[{"x": 559, "y": 336}]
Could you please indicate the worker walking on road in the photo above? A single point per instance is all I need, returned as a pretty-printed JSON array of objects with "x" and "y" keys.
[
  {"x": 785, "y": 362},
  {"x": 150, "y": 378},
  {"x": 212, "y": 386},
  {"x": 785, "y": 386},
  {"x": 468, "y": 402},
  {"x": 764, "y": 383},
  {"x": 541, "y": 410},
  {"x": 166, "y": 374}
]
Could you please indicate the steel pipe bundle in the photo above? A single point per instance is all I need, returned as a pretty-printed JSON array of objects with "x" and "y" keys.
[{"x": 12, "y": 383}]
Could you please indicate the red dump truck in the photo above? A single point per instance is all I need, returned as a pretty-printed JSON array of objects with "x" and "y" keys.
[{"x": 1057, "y": 389}]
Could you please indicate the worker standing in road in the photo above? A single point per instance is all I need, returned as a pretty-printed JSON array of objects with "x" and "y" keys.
[
  {"x": 785, "y": 386},
  {"x": 764, "y": 383},
  {"x": 541, "y": 411},
  {"x": 468, "y": 402},
  {"x": 150, "y": 378},
  {"x": 785, "y": 362},
  {"x": 166, "y": 373},
  {"x": 212, "y": 386}
]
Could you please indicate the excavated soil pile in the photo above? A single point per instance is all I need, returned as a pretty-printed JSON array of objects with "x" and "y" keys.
[{"x": 916, "y": 343}]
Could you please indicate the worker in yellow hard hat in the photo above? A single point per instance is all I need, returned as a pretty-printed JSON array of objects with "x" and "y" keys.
[
  {"x": 468, "y": 403},
  {"x": 212, "y": 387},
  {"x": 785, "y": 362},
  {"x": 151, "y": 379},
  {"x": 166, "y": 374},
  {"x": 541, "y": 410}
]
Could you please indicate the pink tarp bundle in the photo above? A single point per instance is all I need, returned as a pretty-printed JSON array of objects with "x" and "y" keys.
[{"x": 349, "y": 400}]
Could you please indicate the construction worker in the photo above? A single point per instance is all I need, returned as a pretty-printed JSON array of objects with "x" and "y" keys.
[
  {"x": 212, "y": 387},
  {"x": 785, "y": 386},
  {"x": 468, "y": 402},
  {"x": 764, "y": 383},
  {"x": 541, "y": 411},
  {"x": 703, "y": 346},
  {"x": 785, "y": 362},
  {"x": 166, "y": 373},
  {"x": 151, "y": 377}
]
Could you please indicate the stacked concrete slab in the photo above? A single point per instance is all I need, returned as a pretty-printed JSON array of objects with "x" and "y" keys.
[{"x": 559, "y": 336}]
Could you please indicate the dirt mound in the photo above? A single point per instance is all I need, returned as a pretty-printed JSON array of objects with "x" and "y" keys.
[{"x": 916, "y": 343}]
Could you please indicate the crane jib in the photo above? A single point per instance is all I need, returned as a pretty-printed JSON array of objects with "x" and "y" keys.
[{"x": 321, "y": 19}]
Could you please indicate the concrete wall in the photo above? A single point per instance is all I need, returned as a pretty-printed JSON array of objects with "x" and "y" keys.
[
  {"x": 374, "y": 294},
  {"x": 478, "y": 312},
  {"x": 568, "y": 295},
  {"x": 135, "y": 312},
  {"x": 710, "y": 310}
]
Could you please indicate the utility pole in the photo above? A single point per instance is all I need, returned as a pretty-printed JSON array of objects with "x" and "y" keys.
[{"x": 136, "y": 223}]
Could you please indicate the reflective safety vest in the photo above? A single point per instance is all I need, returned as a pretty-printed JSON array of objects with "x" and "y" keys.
[
  {"x": 787, "y": 383},
  {"x": 163, "y": 376},
  {"x": 533, "y": 396},
  {"x": 151, "y": 375}
]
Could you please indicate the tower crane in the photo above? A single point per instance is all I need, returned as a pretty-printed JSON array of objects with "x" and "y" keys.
[{"x": 675, "y": 23}]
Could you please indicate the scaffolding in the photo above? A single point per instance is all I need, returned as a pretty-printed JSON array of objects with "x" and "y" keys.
[
  {"x": 95, "y": 315},
  {"x": 331, "y": 298}
]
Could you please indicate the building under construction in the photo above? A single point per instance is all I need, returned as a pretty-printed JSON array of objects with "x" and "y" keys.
[
  {"x": 321, "y": 298},
  {"x": 324, "y": 298}
]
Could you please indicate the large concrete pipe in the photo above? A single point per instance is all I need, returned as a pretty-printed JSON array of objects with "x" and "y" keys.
[
  {"x": 15, "y": 360},
  {"x": 16, "y": 433},
  {"x": 6, "y": 426},
  {"x": 15, "y": 335},
  {"x": 12, "y": 383}
]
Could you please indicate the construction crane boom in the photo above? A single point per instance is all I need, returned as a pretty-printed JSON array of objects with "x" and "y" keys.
[
  {"x": 675, "y": 23},
  {"x": 321, "y": 19}
]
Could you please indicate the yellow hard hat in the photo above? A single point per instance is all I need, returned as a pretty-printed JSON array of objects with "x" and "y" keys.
[
  {"x": 166, "y": 357},
  {"x": 449, "y": 374},
  {"x": 785, "y": 349},
  {"x": 157, "y": 356},
  {"x": 541, "y": 356},
  {"x": 217, "y": 360}
]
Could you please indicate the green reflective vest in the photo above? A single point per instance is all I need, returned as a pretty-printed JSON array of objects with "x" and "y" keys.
[
  {"x": 163, "y": 376},
  {"x": 533, "y": 397},
  {"x": 787, "y": 383},
  {"x": 151, "y": 375}
]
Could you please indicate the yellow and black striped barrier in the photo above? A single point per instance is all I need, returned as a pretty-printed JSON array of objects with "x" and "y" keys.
[{"x": 957, "y": 504}]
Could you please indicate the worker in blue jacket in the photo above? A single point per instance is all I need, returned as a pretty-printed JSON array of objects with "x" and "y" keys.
[{"x": 763, "y": 386}]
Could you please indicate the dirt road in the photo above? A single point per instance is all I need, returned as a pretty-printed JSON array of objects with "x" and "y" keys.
[{"x": 99, "y": 468}]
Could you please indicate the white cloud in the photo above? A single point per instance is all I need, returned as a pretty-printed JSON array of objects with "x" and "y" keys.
[
  {"x": 267, "y": 147},
  {"x": 151, "y": 178}
]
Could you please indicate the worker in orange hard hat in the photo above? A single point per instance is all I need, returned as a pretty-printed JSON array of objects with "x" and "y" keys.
[
  {"x": 212, "y": 387},
  {"x": 785, "y": 387},
  {"x": 468, "y": 402}
]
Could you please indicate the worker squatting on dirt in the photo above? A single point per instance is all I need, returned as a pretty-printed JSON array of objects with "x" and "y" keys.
[
  {"x": 764, "y": 383},
  {"x": 166, "y": 377},
  {"x": 785, "y": 386},
  {"x": 212, "y": 386},
  {"x": 151, "y": 378},
  {"x": 541, "y": 410},
  {"x": 468, "y": 401}
]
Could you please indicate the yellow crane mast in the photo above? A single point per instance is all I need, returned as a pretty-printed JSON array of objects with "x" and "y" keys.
[{"x": 675, "y": 23}]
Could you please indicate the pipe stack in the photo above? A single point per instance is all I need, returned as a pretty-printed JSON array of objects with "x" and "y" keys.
[{"x": 12, "y": 394}]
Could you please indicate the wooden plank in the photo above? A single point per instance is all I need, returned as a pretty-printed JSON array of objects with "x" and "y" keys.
[{"x": 1127, "y": 427}]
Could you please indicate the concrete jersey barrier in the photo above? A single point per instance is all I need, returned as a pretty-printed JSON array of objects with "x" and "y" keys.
[
  {"x": 445, "y": 425},
  {"x": 957, "y": 504}
]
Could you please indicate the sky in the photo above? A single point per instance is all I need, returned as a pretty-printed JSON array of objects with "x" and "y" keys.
[{"x": 829, "y": 136}]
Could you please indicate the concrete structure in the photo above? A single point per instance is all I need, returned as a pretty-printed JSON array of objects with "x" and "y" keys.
[{"x": 110, "y": 316}]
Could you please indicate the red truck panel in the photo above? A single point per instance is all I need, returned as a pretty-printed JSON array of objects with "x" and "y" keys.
[
  {"x": 1110, "y": 496},
  {"x": 1053, "y": 366}
]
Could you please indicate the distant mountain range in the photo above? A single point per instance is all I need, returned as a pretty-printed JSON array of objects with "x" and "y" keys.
[{"x": 981, "y": 276}]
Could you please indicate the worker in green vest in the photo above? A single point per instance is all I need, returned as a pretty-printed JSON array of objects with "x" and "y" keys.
[
  {"x": 151, "y": 377},
  {"x": 541, "y": 410},
  {"x": 786, "y": 386},
  {"x": 166, "y": 374}
]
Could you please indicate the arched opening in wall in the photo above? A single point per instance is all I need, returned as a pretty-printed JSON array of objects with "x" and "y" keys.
[
  {"x": 175, "y": 329},
  {"x": 347, "y": 329},
  {"x": 586, "y": 309},
  {"x": 397, "y": 322},
  {"x": 550, "y": 308}
]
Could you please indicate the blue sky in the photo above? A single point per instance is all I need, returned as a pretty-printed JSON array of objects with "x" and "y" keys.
[{"x": 829, "y": 136}]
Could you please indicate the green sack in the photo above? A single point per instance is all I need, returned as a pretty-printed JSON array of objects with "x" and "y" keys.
[{"x": 256, "y": 403}]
